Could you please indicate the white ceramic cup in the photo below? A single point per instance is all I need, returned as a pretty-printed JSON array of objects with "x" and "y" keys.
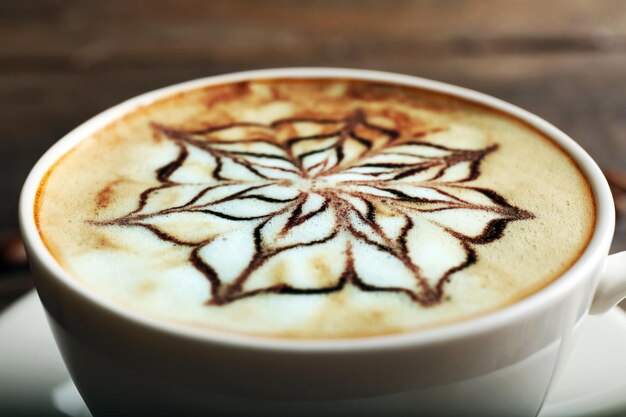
[{"x": 503, "y": 363}]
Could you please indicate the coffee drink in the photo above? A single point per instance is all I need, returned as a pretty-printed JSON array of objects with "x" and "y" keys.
[{"x": 315, "y": 208}]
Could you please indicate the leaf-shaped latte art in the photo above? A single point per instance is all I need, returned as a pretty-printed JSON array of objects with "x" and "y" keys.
[{"x": 308, "y": 206}]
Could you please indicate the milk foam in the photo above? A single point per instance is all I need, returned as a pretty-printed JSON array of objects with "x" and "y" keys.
[{"x": 347, "y": 218}]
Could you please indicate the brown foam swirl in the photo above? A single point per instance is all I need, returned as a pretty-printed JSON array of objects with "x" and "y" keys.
[{"x": 376, "y": 188}]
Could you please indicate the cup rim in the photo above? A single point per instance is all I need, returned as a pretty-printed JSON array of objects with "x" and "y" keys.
[{"x": 517, "y": 311}]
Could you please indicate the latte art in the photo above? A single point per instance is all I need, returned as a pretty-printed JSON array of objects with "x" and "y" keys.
[
  {"x": 360, "y": 190},
  {"x": 315, "y": 208}
]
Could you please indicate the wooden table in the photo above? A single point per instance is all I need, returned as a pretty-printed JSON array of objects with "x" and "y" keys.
[{"x": 62, "y": 62}]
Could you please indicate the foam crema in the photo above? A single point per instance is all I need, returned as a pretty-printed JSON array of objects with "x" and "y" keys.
[{"x": 315, "y": 209}]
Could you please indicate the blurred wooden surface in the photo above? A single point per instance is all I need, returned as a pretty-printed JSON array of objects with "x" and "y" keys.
[{"x": 62, "y": 62}]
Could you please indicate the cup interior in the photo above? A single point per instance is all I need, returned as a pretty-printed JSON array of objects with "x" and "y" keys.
[{"x": 596, "y": 248}]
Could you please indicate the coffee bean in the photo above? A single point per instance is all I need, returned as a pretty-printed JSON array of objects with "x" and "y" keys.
[
  {"x": 12, "y": 252},
  {"x": 616, "y": 178}
]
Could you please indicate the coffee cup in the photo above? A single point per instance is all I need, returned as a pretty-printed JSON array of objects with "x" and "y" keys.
[{"x": 500, "y": 363}]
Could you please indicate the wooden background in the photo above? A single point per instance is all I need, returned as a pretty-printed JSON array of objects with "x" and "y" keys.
[{"x": 62, "y": 62}]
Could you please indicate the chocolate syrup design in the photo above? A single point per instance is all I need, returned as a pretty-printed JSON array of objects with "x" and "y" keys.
[{"x": 354, "y": 196}]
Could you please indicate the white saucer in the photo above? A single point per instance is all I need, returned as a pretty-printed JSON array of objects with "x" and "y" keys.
[{"x": 34, "y": 381}]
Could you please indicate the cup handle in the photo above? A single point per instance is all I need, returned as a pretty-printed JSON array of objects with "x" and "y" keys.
[{"x": 612, "y": 286}]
